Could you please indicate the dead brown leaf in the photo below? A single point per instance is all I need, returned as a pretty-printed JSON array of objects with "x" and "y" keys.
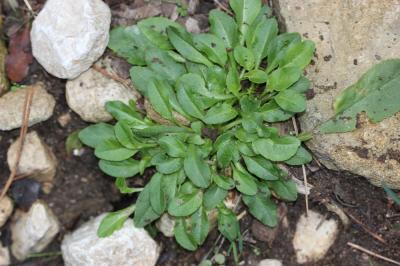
[{"x": 19, "y": 55}]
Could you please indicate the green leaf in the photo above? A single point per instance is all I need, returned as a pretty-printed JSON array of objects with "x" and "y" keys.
[
  {"x": 128, "y": 42},
  {"x": 124, "y": 112},
  {"x": 285, "y": 189},
  {"x": 278, "y": 48},
  {"x": 264, "y": 32},
  {"x": 219, "y": 114},
  {"x": 114, "y": 221},
  {"x": 173, "y": 146},
  {"x": 189, "y": 102},
  {"x": 245, "y": 182},
  {"x": 262, "y": 208},
  {"x": 245, "y": 148},
  {"x": 169, "y": 166},
  {"x": 144, "y": 213},
  {"x": 182, "y": 236},
  {"x": 262, "y": 168},
  {"x": 224, "y": 26},
  {"x": 200, "y": 225},
  {"x": 375, "y": 93},
  {"x": 301, "y": 157},
  {"x": 183, "y": 43},
  {"x": 257, "y": 76},
  {"x": 112, "y": 150},
  {"x": 73, "y": 142},
  {"x": 244, "y": 57},
  {"x": 154, "y": 28},
  {"x": 232, "y": 79},
  {"x": 228, "y": 225},
  {"x": 185, "y": 204},
  {"x": 301, "y": 86},
  {"x": 159, "y": 100},
  {"x": 153, "y": 131},
  {"x": 169, "y": 184},
  {"x": 246, "y": 12},
  {"x": 158, "y": 199},
  {"x": 283, "y": 78},
  {"x": 298, "y": 55},
  {"x": 125, "y": 136},
  {"x": 212, "y": 46},
  {"x": 95, "y": 134},
  {"x": 123, "y": 188},
  {"x": 224, "y": 182},
  {"x": 277, "y": 148},
  {"x": 164, "y": 65},
  {"x": 226, "y": 153},
  {"x": 140, "y": 77},
  {"x": 213, "y": 196},
  {"x": 291, "y": 101},
  {"x": 126, "y": 168},
  {"x": 196, "y": 168},
  {"x": 271, "y": 112}
]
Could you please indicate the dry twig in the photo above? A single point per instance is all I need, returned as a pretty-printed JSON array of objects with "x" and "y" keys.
[
  {"x": 22, "y": 134},
  {"x": 218, "y": 3},
  {"x": 117, "y": 78},
  {"x": 369, "y": 252},
  {"x": 302, "y": 166},
  {"x": 366, "y": 229}
]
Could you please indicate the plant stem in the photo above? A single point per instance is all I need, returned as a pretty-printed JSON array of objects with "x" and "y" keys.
[{"x": 231, "y": 125}]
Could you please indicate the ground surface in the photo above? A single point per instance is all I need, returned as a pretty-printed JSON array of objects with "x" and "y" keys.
[{"x": 82, "y": 191}]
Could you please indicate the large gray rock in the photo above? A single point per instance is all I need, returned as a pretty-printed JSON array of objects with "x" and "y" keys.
[
  {"x": 351, "y": 36},
  {"x": 32, "y": 231},
  {"x": 125, "y": 247},
  {"x": 37, "y": 160},
  {"x": 12, "y": 107},
  {"x": 68, "y": 36},
  {"x": 313, "y": 237},
  {"x": 88, "y": 94}
]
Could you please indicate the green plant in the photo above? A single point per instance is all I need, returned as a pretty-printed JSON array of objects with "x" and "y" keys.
[
  {"x": 211, "y": 102},
  {"x": 376, "y": 93}
]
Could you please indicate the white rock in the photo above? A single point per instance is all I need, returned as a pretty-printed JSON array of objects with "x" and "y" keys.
[
  {"x": 12, "y": 107},
  {"x": 270, "y": 262},
  {"x": 37, "y": 160},
  {"x": 192, "y": 25},
  {"x": 314, "y": 236},
  {"x": 88, "y": 94},
  {"x": 166, "y": 225},
  {"x": 68, "y": 36},
  {"x": 125, "y": 247},
  {"x": 4, "y": 256},
  {"x": 6, "y": 208},
  {"x": 33, "y": 231}
]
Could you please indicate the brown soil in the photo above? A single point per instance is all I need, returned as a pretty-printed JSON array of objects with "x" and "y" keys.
[{"x": 82, "y": 191}]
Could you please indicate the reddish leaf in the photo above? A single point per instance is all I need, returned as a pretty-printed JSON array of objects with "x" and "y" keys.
[{"x": 19, "y": 55}]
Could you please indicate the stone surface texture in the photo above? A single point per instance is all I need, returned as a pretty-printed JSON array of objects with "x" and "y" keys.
[
  {"x": 88, "y": 94},
  {"x": 125, "y": 247},
  {"x": 37, "y": 160},
  {"x": 4, "y": 256},
  {"x": 6, "y": 208},
  {"x": 68, "y": 36},
  {"x": 270, "y": 262},
  {"x": 313, "y": 237},
  {"x": 12, "y": 106},
  {"x": 350, "y": 36},
  {"x": 32, "y": 231}
]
